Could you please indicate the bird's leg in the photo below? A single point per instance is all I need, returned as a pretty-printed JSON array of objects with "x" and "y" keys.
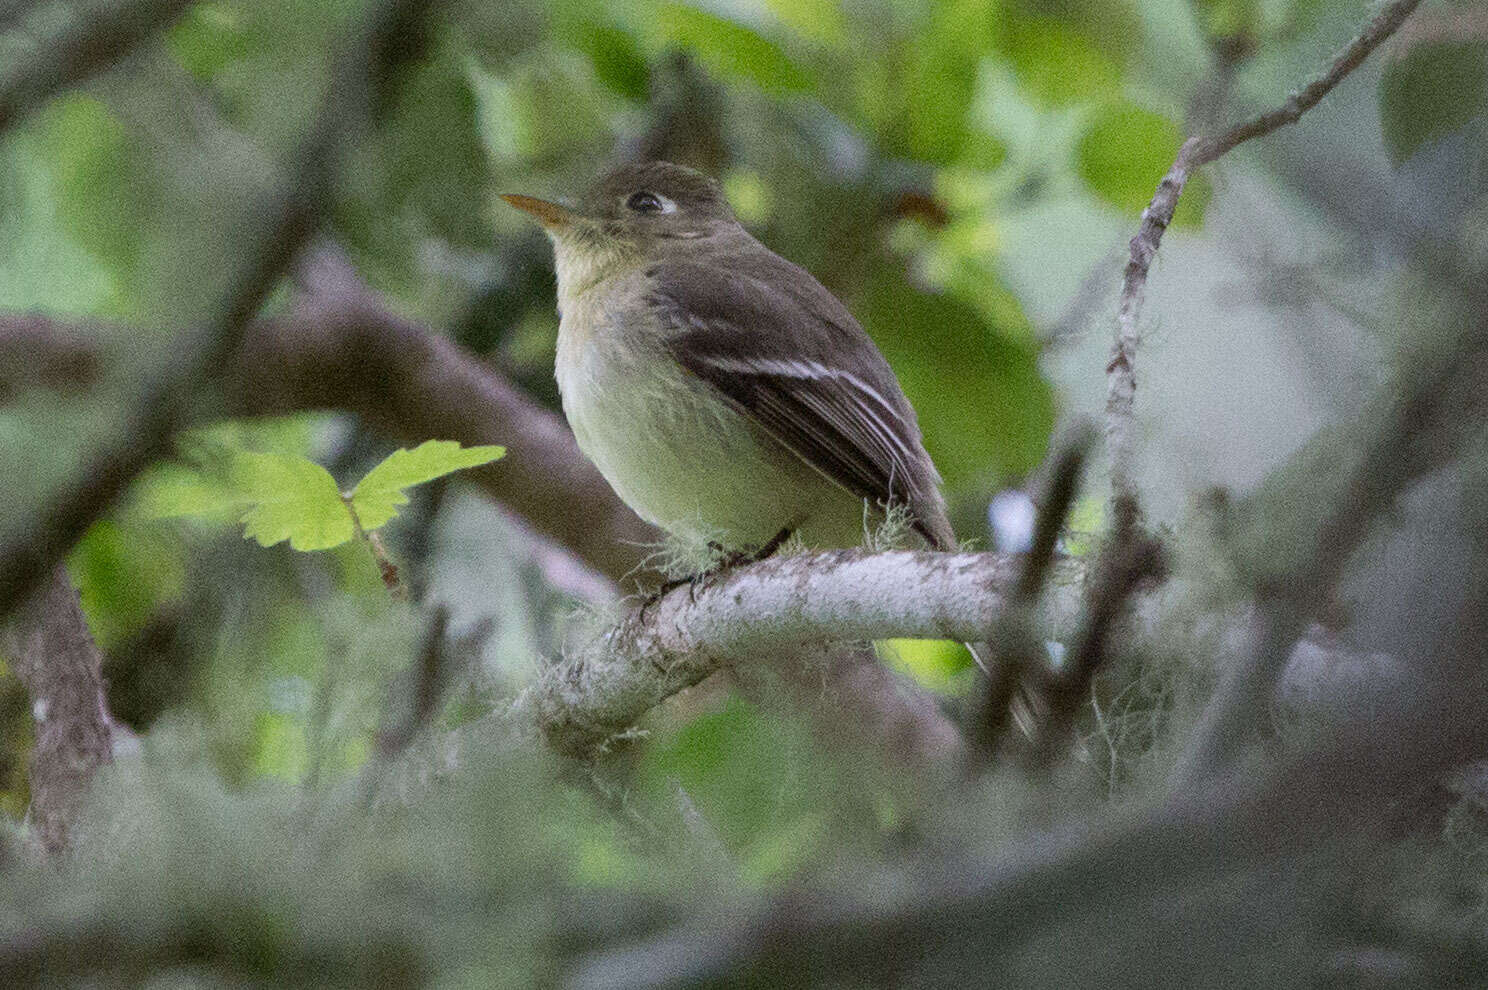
[
  {"x": 736, "y": 558},
  {"x": 728, "y": 560},
  {"x": 771, "y": 545}
]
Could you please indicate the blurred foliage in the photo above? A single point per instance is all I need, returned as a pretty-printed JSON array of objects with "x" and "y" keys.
[
  {"x": 1433, "y": 90},
  {"x": 280, "y": 497},
  {"x": 908, "y": 152}
]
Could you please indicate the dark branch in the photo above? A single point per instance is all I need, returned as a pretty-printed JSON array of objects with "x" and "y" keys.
[
  {"x": 53, "y": 655},
  {"x": 94, "y": 41},
  {"x": 1016, "y": 650},
  {"x": 34, "y": 351}
]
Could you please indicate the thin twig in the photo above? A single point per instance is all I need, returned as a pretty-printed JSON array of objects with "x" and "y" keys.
[
  {"x": 1121, "y": 382},
  {"x": 372, "y": 540},
  {"x": 1015, "y": 649},
  {"x": 1132, "y": 558}
]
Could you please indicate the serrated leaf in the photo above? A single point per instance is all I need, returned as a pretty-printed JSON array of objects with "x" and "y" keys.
[
  {"x": 294, "y": 499},
  {"x": 1431, "y": 91},
  {"x": 379, "y": 494}
]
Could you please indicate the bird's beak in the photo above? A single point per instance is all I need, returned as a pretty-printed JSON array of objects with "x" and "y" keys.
[{"x": 550, "y": 215}]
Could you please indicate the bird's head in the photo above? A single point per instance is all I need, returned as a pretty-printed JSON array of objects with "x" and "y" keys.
[{"x": 634, "y": 211}]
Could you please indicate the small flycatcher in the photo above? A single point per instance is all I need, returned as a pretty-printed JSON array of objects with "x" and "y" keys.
[{"x": 720, "y": 389}]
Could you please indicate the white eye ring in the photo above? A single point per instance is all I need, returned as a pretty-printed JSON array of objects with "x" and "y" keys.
[{"x": 645, "y": 201}]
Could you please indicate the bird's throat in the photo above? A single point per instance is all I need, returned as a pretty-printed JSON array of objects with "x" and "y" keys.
[{"x": 582, "y": 260}]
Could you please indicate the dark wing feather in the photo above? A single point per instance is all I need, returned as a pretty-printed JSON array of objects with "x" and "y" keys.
[{"x": 789, "y": 355}]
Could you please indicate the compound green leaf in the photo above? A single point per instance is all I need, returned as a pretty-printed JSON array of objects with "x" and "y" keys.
[
  {"x": 378, "y": 495},
  {"x": 294, "y": 499}
]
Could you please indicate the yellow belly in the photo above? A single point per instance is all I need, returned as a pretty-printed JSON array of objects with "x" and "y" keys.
[{"x": 687, "y": 462}]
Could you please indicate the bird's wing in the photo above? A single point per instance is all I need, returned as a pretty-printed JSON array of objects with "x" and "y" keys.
[{"x": 789, "y": 356}]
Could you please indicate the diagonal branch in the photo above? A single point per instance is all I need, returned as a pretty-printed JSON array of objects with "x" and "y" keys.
[
  {"x": 94, "y": 41},
  {"x": 1121, "y": 381},
  {"x": 281, "y": 223}
]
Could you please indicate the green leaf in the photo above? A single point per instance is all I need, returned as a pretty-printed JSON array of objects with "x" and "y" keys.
[
  {"x": 173, "y": 491},
  {"x": 938, "y": 83},
  {"x": 755, "y": 777},
  {"x": 212, "y": 36},
  {"x": 1124, "y": 154},
  {"x": 1086, "y": 522},
  {"x": 126, "y": 576},
  {"x": 731, "y": 49},
  {"x": 1059, "y": 65},
  {"x": 819, "y": 20},
  {"x": 378, "y": 495},
  {"x": 938, "y": 664},
  {"x": 985, "y": 409},
  {"x": 101, "y": 195},
  {"x": 281, "y": 748},
  {"x": 616, "y": 57},
  {"x": 294, "y": 499},
  {"x": 1432, "y": 90}
]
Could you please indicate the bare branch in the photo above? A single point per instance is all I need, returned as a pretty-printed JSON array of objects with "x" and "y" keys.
[
  {"x": 53, "y": 654},
  {"x": 753, "y": 614},
  {"x": 1121, "y": 381},
  {"x": 1132, "y": 558}
]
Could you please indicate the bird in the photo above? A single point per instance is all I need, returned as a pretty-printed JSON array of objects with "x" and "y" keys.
[{"x": 723, "y": 392}]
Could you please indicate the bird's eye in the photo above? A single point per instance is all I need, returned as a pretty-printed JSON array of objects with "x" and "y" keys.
[{"x": 645, "y": 202}]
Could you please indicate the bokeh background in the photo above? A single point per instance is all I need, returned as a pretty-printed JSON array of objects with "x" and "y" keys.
[{"x": 963, "y": 174}]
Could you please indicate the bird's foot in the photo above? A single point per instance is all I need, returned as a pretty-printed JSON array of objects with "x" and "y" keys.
[{"x": 727, "y": 561}]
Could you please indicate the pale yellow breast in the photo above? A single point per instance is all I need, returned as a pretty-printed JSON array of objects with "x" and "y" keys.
[{"x": 672, "y": 448}]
